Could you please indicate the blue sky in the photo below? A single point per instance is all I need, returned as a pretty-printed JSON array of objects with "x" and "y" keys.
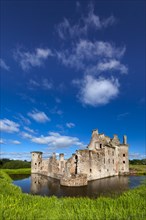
[{"x": 68, "y": 67}]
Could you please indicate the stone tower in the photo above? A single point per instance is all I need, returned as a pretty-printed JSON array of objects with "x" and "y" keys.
[
  {"x": 123, "y": 156},
  {"x": 36, "y": 161}
]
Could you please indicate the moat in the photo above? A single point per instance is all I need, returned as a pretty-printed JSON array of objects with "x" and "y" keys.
[{"x": 41, "y": 185}]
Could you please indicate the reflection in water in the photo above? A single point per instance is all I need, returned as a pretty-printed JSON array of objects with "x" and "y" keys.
[
  {"x": 19, "y": 176},
  {"x": 45, "y": 186},
  {"x": 108, "y": 186}
]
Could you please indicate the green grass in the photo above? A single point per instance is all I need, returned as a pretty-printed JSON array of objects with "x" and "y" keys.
[
  {"x": 138, "y": 169},
  {"x": 17, "y": 171},
  {"x": 16, "y": 205}
]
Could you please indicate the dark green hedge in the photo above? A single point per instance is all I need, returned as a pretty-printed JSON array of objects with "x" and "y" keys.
[{"x": 14, "y": 164}]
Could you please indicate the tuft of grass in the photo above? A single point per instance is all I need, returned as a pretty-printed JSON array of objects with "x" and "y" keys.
[{"x": 16, "y": 205}]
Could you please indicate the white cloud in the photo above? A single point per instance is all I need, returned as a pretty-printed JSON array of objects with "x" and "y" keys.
[
  {"x": 56, "y": 140},
  {"x": 112, "y": 65},
  {"x": 90, "y": 56},
  {"x": 3, "y": 65},
  {"x": 15, "y": 142},
  {"x": 40, "y": 117},
  {"x": 28, "y": 59},
  {"x": 29, "y": 130},
  {"x": 2, "y": 141},
  {"x": 86, "y": 22},
  {"x": 96, "y": 92},
  {"x": 9, "y": 126},
  {"x": 26, "y": 135},
  {"x": 70, "y": 125}
]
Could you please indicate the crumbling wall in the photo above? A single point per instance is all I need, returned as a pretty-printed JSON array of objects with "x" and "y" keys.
[{"x": 123, "y": 159}]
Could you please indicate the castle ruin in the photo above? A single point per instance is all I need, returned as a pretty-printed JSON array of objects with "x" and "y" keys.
[{"x": 103, "y": 157}]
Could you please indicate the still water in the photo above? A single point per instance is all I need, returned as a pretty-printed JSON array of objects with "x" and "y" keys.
[{"x": 40, "y": 185}]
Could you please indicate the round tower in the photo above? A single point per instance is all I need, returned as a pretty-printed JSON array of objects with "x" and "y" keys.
[{"x": 36, "y": 161}]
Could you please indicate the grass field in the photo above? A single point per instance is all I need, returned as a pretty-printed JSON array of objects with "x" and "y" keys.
[
  {"x": 138, "y": 169},
  {"x": 16, "y": 205},
  {"x": 17, "y": 171}
]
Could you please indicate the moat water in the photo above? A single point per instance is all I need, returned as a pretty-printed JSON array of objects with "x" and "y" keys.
[{"x": 40, "y": 185}]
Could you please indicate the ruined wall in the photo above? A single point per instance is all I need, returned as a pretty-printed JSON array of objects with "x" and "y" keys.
[
  {"x": 74, "y": 180},
  {"x": 123, "y": 159},
  {"x": 56, "y": 167}
]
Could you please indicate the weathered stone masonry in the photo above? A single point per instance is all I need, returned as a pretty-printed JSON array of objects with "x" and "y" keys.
[{"x": 103, "y": 157}]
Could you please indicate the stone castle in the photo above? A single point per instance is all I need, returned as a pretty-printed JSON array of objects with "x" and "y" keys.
[{"x": 103, "y": 157}]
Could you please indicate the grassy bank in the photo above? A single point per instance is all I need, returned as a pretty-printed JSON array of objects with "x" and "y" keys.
[
  {"x": 137, "y": 169},
  {"x": 16, "y": 205},
  {"x": 17, "y": 171}
]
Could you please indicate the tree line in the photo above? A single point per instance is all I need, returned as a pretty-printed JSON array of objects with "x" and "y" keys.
[
  {"x": 14, "y": 164},
  {"x": 138, "y": 162}
]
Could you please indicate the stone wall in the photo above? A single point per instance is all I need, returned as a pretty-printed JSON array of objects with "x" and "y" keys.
[{"x": 74, "y": 180}]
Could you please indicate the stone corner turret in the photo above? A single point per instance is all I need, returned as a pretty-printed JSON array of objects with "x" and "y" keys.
[
  {"x": 94, "y": 131},
  {"x": 36, "y": 161}
]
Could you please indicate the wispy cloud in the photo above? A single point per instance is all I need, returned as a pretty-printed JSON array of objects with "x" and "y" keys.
[
  {"x": 112, "y": 65},
  {"x": 3, "y": 65},
  {"x": 9, "y": 126},
  {"x": 23, "y": 119},
  {"x": 96, "y": 60},
  {"x": 26, "y": 97},
  {"x": 16, "y": 155},
  {"x": 87, "y": 22},
  {"x": 96, "y": 92},
  {"x": 57, "y": 100},
  {"x": 15, "y": 142},
  {"x": 93, "y": 57},
  {"x": 26, "y": 135},
  {"x": 42, "y": 84},
  {"x": 38, "y": 116},
  {"x": 135, "y": 155},
  {"x": 2, "y": 141},
  {"x": 70, "y": 125},
  {"x": 28, "y": 59},
  {"x": 122, "y": 115},
  {"x": 57, "y": 111},
  {"x": 29, "y": 130}
]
